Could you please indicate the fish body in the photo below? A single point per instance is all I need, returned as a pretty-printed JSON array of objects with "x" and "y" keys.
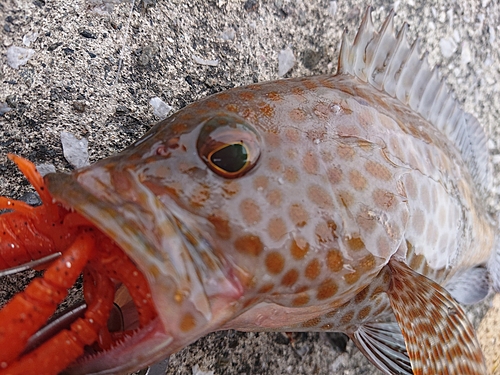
[{"x": 330, "y": 203}]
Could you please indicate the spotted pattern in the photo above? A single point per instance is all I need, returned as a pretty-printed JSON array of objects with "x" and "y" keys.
[
  {"x": 346, "y": 181},
  {"x": 445, "y": 322}
]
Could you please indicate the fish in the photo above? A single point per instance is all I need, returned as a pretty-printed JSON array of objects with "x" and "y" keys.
[{"x": 346, "y": 203}]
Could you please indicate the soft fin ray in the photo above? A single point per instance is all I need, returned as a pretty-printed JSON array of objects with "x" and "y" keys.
[
  {"x": 438, "y": 336},
  {"x": 471, "y": 286},
  {"x": 384, "y": 345},
  {"x": 388, "y": 63}
]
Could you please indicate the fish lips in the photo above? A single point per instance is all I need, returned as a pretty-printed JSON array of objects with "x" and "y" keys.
[{"x": 152, "y": 236}]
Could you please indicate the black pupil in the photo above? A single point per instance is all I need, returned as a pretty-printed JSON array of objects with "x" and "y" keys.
[{"x": 231, "y": 158}]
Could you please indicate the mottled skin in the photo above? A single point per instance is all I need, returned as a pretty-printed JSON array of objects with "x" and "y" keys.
[{"x": 347, "y": 179}]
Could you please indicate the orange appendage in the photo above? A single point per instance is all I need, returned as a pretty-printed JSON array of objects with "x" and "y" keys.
[
  {"x": 22, "y": 316},
  {"x": 60, "y": 351},
  {"x": 29, "y": 233}
]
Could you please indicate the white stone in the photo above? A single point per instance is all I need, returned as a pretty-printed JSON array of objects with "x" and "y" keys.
[
  {"x": 286, "y": 61},
  {"x": 75, "y": 150},
  {"x": 18, "y": 56},
  {"x": 160, "y": 108}
]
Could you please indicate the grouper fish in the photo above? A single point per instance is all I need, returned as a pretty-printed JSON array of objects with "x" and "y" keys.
[{"x": 351, "y": 202}]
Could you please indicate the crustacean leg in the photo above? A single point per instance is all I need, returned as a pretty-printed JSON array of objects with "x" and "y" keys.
[
  {"x": 29, "y": 310},
  {"x": 32, "y": 232}
]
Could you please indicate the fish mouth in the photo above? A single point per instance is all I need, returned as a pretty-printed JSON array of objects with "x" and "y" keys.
[
  {"x": 139, "y": 345},
  {"x": 134, "y": 350},
  {"x": 165, "y": 244}
]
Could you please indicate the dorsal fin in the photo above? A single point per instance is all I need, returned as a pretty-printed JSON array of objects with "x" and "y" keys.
[{"x": 388, "y": 62}]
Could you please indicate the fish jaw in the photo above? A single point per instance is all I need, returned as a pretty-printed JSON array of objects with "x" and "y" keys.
[{"x": 193, "y": 294}]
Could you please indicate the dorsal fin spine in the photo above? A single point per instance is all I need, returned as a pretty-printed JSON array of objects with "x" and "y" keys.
[
  {"x": 388, "y": 63},
  {"x": 427, "y": 105}
]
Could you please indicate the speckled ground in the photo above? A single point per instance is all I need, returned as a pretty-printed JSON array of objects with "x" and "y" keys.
[{"x": 73, "y": 83}]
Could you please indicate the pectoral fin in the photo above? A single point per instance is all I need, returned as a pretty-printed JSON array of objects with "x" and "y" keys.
[
  {"x": 384, "y": 345},
  {"x": 438, "y": 336}
]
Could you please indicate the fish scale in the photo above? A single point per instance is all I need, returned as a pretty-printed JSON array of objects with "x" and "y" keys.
[{"x": 330, "y": 203}]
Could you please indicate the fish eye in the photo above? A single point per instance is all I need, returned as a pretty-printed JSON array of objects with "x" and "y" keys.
[{"x": 229, "y": 146}]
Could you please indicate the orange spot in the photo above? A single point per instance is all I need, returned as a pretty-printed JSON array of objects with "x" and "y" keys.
[
  {"x": 313, "y": 269},
  {"x": 310, "y": 163},
  {"x": 346, "y": 318},
  {"x": 298, "y": 214},
  {"x": 309, "y": 84},
  {"x": 200, "y": 195},
  {"x": 363, "y": 313},
  {"x": 335, "y": 260},
  {"x": 377, "y": 170},
  {"x": 274, "y": 96},
  {"x": 232, "y": 108},
  {"x": 248, "y": 113},
  {"x": 221, "y": 224},
  {"x": 275, "y": 164},
  {"x": 188, "y": 322},
  {"x": 250, "y": 211},
  {"x": 274, "y": 198},
  {"x": 321, "y": 110},
  {"x": 334, "y": 175},
  {"x": 300, "y": 300},
  {"x": 290, "y": 277},
  {"x": 352, "y": 277},
  {"x": 275, "y": 262},
  {"x": 327, "y": 289},
  {"x": 299, "y": 248},
  {"x": 249, "y": 244},
  {"x": 345, "y": 152},
  {"x": 179, "y": 128},
  {"x": 292, "y": 135},
  {"x": 212, "y": 104},
  {"x": 230, "y": 189},
  {"x": 357, "y": 180},
  {"x": 276, "y": 228},
  {"x": 367, "y": 263},
  {"x": 297, "y": 91},
  {"x": 319, "y": 196},
  {"x": 311, "y": 322},
  {"x": 355, "y": 243},
  {"x": 223, "y": 96},
  {"x": 273, "y": 139},
  {"x": 266, "y": 110},
  {"x": 246, "y": 96},
  {"x": 322, "y": 233},
  {"x": 384, "y": 199},
  {"x": 346, "y": 198},
  {"x": 297, "y": 115},
  {"x": 291, "y": 174},
  {"x": 260, "y": 182},
  {"x": 266, "y": 288},
  {"x": 360, "y": 297}
]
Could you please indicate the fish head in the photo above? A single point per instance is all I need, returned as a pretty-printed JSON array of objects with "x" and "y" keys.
[{"x": 168, "y": 202}]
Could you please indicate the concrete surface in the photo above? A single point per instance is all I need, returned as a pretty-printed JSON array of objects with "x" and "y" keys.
[{"x": 74, "y": 83}]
